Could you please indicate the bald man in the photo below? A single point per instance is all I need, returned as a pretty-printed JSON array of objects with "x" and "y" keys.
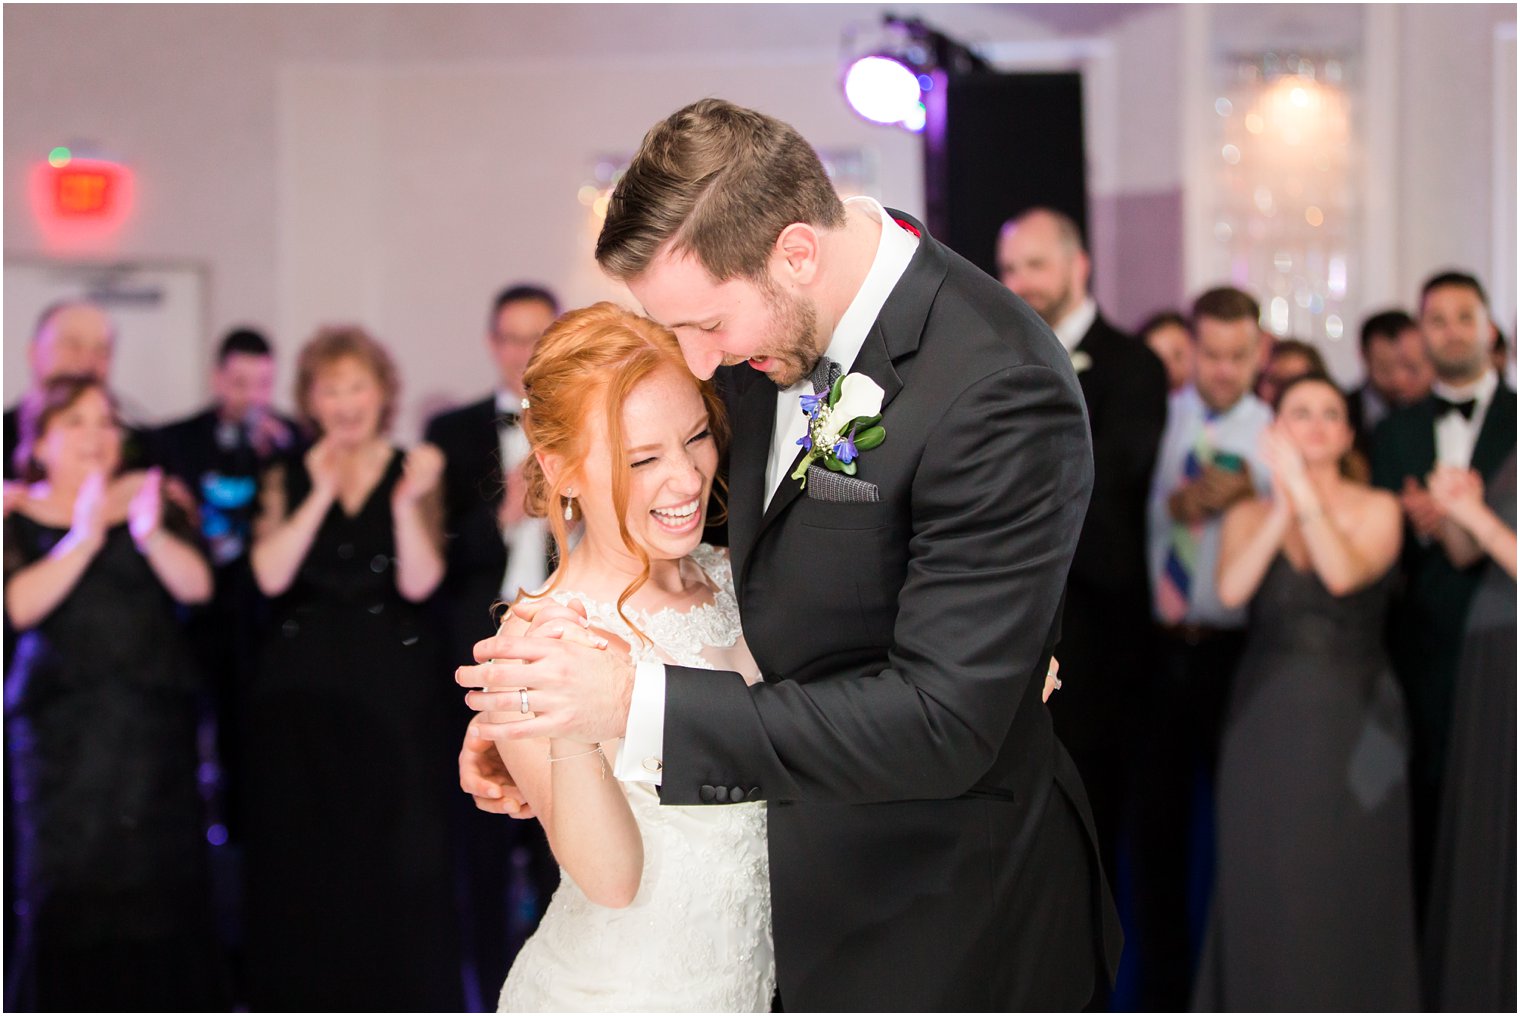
[
  {"x": 1105, "y": 624},
  {"x": 71, "y": 337}
]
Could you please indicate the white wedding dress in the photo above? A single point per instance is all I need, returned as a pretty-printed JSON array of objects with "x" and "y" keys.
[{"x": 697, "y": 937}]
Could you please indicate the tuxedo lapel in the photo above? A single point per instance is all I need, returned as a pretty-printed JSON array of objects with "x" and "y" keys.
[
  {"x": 749, "y": 454},
  {"x": 1497, "y": 437},
  {"x": 894, "y": 335}
]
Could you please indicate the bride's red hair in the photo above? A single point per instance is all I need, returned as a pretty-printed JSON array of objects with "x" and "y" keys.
[{"x": 595, "y": 356}]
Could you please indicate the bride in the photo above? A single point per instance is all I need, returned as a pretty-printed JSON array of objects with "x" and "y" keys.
[{"x": 661, "y": 908}]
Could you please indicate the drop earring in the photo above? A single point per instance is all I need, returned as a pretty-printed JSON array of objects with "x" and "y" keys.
[{"x": 569, "y": 506}]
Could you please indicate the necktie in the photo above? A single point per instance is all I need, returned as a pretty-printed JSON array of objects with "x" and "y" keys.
[
  {"x": 825, "y": 373},
  {"x": 1444, "y": 406},
  {"x": 1175, "y": 586}
]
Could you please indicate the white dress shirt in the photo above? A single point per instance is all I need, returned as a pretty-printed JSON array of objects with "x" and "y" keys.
[
  {"x": 1455, "y": 436},
  {"x": 527, "y": 540},
  {"x": 1073, "y": 328},
  {"x": 644, "y": 742}
]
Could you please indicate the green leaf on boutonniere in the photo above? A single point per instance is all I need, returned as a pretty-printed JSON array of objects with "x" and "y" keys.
[{"x": 870, "y": 437}]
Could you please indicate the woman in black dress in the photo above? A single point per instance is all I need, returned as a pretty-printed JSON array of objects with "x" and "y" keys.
[
  {"x": 348, "y": 878},
  {"x": 1470, "y": 927},
  {"x": 1313, "y": 904},
  {"x": 100, "y": 725}
]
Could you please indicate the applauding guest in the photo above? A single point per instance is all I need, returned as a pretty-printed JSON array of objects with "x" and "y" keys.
[
  {"x": 1313, "y": 906},
  {"x": 349, "y": 886},
  {"x": 100, "y": 715}
]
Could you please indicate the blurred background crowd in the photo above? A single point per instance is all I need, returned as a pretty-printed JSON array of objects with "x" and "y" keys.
[{"x": 1288, "y": 639}]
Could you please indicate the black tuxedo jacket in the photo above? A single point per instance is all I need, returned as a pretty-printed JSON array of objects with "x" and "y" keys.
[
  {"x": 472, "y": 491},
  {"x": 1429, "y": 616},
  {"x": 1106, "y": 616},
  {"x": 930, "y": 843}
]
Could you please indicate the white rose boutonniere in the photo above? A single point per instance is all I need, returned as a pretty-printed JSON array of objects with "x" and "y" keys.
[
  {"x": 1080, "y": 361},
  {"x": 842, "y": 422}
]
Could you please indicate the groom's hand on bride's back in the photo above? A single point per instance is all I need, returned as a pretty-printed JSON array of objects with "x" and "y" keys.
[
  {"x": 575, "y": 682},
  {"x": 484, "y": 776}
]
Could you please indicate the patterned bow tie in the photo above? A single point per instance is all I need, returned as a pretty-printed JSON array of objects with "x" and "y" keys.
[
  {"x": 825, "y": 373},
  {"x": 1444, "y": 406}
]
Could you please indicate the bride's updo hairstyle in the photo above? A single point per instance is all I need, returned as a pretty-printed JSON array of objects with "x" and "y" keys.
[{"x": 593, "y": 357}]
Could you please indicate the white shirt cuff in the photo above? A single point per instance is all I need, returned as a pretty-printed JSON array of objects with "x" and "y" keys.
[{"x": 641, "y": 757}]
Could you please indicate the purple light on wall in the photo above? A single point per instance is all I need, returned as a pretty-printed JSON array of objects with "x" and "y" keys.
[{"x": 886, "y": 91}]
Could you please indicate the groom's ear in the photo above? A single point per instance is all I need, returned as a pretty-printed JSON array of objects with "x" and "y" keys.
[{"x": 795, "y": 255}]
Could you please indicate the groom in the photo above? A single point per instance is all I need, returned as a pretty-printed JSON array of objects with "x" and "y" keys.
[{"x": 930, "y": 841}]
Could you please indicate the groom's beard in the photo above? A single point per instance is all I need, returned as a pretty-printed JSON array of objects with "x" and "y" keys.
[{"x": 794, "y": 322}]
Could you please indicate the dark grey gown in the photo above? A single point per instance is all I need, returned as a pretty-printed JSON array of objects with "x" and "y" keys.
[
  {"x": 1470, "y": 930},
  {"x": 1314, "y": 904}
]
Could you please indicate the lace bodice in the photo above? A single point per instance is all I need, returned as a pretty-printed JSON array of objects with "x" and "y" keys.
[
  {"x": 697, "y": 936},
  {"x": 678, "y": 636}
]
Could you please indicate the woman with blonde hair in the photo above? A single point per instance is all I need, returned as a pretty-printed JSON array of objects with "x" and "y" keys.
[
  {"x": 349, "y": 903},
  {"x": 100, "y": 705}
]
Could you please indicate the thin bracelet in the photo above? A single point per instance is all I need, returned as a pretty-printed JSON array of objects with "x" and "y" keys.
[{"x": 582, "y": 754}]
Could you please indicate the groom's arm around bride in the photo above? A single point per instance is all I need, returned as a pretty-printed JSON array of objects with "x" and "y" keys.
[{"x": 930, "y": 841}]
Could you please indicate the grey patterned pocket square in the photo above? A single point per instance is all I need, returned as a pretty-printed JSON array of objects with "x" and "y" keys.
[{"x": 826, "y": 485}]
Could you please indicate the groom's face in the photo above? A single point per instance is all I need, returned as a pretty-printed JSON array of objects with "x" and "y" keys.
[{"x": 732, "y": 322}]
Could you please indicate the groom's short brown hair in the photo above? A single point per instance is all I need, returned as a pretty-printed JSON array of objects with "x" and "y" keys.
[{"x": 717, "y": 181}]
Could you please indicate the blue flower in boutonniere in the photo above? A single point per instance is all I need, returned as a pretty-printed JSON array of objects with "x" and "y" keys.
[{"x": 842, "y": 423}]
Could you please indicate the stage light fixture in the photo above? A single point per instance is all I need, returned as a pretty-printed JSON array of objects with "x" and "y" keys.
[{"x": 885, "y": 80}]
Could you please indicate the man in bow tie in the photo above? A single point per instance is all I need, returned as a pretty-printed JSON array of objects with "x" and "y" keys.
[
  {"x": 1105, "y": 622},
  {"x": 493, "y": 550},
  {"x": 1467, "y": 422},
  {"x": 930, "y": 843}
]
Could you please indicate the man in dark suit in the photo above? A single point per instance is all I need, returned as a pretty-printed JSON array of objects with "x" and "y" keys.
[
  {"x": 1468, "y": 421},
  {"x": 493, "y": 549},
  {"x": 1105, "y": 622},
  {"x": 70, "y": 337},
  {"x": 1398, "y": 373},
  {"x": 930, "y": 841},
  {"x": 215, "y": 458}
]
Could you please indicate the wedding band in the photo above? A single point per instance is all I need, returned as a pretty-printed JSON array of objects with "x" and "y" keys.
[{"x": 523, "y": 698}]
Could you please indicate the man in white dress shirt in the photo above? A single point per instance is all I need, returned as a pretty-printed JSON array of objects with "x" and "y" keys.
[{"x": 1209, "y": 460}]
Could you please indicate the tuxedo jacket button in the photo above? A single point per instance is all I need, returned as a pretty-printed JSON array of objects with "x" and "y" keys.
[
  {"x": 754, "y": 794},
  {"x": 736, "y": 794},
  {"x": 720, "y": 794},
  {"x": 707, "y": 794}
]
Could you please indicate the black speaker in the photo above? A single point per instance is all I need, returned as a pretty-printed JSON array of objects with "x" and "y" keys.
[{"x": 995, "y": 145}]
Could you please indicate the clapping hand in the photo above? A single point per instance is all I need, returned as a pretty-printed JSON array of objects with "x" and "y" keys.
[
  {"x": 419, "y": 474},
  {"x": 1423, "y": 511},
  {"x": 145, "y": 512},
  {"x": 1291, "y": 490},
  {"x": 322, "y": 466},
  {"x": 267, "y": 434},
  {"x": 89, "y": 522},
  {"x": 1458, "y": 493}
]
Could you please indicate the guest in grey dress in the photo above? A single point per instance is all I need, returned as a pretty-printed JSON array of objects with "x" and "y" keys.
[
  {"x": 1313, "y": 906},
  {"x": 1470, "y": 930}
]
